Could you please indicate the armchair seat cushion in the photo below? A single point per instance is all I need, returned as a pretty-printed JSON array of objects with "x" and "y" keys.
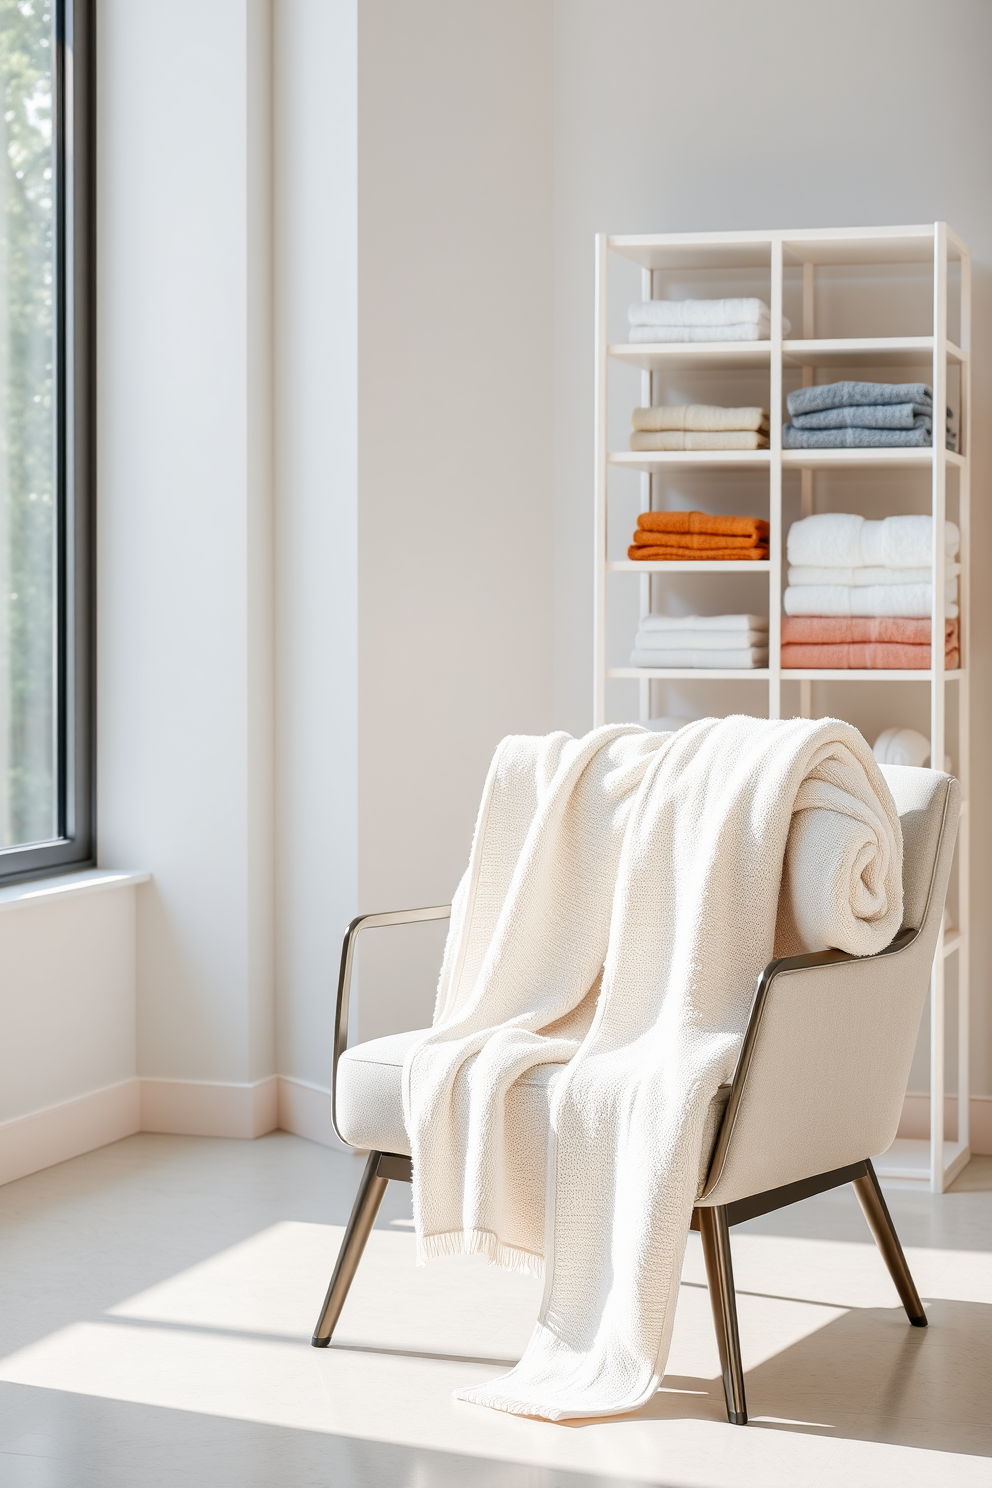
[{"x": 370, "y": 1102}]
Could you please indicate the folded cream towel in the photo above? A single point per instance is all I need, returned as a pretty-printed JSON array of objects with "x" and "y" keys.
[
  {"x": 677, "y": 439},
  {"x": 698, "y": 312},
  {"x": 865, "y": 576},
  {"x": 844, "y": 540},
  {"x": 700, "y": 640},
  {"x": 850, "y": 599},
  {"x": 616, "y": 913},
  {"x": 704, "y": 622},
  {"x": 737, "y": 658},
  {"x": 698, "y": 417}
]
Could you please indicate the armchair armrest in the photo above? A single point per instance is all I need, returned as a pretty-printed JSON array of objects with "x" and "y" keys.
[
  {"x": 814, "y": 960},
  {"x": 358, "y": 924}
]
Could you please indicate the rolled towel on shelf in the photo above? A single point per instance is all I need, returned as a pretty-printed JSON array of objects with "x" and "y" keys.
[
  {"x": 845, "y": 540},
  {"x": 716, "y": 439},
  {"x": 704, "y": 622},
  {"x": 738, "y": 659},
  {"x": 905, "y": 746},
  {"x": 865, "y": 576},
  {"x": 873, "y": 599},
  {"x": 699, "y": 418}
]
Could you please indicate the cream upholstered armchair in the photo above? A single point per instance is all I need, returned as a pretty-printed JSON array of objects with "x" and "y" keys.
[{"x": 818, "y": 1086}]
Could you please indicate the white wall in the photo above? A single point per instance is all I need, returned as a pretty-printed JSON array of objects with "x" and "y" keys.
[
  {"x": 455, "y": 425},
  {"x": 672, "y": 117},
  {"x": 184, "y": 524}
]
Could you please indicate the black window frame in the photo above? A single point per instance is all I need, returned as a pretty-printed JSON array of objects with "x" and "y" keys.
[{"x": 74, "y": 382}]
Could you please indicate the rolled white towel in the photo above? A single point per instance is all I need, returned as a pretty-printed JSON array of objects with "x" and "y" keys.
[
  {"x": 875, "y": 599},
  {"x": 700, "y": 640},
  {"x": 844, "y": 540},
  {"x": 704, "y": 622},
  {"x": 741, "y": 658},
  {"x": 862, "y": 577}
]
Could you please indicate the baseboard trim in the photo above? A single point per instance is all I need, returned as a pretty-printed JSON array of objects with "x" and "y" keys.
[
  {"x": 206, "y": 1108},
  {"x": 200, "y": 1108},
  {"x": 916, "y": 1119},
  {"x": 305, "y": 1110},
  {"x": 53, "y": 1135}
]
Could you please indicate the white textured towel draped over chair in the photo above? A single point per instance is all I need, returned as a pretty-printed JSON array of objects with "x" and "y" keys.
[{"x": 621, "y": 898}]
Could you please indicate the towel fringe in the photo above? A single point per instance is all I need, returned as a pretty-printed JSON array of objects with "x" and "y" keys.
[{"x": 479, "y": 1242}]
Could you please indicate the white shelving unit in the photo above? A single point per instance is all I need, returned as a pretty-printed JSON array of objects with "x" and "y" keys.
[{"x": 779, "y": 258}]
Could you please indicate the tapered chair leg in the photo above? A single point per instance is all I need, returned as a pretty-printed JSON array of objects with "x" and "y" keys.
[
  {"x": 364, "y": 1211},
  {"x": 715, "y": 1234},
  {"x": 876, "y": 1212}
]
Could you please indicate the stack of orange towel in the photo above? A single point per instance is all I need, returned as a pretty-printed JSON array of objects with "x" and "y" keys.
[
  {"x": 885, "y": 641},
  {"x": 682, "y": 536}
]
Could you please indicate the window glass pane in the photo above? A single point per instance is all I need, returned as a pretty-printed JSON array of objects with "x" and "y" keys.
[{"x": 28, "y": 754}]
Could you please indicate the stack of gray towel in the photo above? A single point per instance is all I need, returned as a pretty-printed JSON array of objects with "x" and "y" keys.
[{"x": 862, "y": 415}]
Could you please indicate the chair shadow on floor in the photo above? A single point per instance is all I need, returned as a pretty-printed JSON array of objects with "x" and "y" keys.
[{"x": 866, "y": 1374}]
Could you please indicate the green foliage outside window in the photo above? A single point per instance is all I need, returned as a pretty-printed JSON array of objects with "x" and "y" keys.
[{"x": 27, "y": 432}]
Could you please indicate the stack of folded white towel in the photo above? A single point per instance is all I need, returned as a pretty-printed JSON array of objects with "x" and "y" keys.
[
  {"x": 656, "y": 321},
  {"x": 724, "y": 641},
  {"x": 842, "y": 564}
]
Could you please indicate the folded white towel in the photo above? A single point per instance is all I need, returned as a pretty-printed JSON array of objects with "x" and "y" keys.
[
  {"x": 876, "y": 599},
  {"x": 865, "y": 576},
  {"x": 699, "y": 640},
  {"x": 844, "y": 540},
  {"x": 742, "y": 331},
  {"x": 704, "y": 622},
  {"x": 698, "y": 417},
  {"x": 738, "y": 658},
  {"x": 698, "y": 312}
]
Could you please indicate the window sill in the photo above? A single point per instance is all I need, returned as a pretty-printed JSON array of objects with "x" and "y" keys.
[{"x": 61, "y": 886}]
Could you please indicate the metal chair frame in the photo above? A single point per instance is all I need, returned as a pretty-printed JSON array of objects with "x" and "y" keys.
[{"x": 713, "y": 1221}]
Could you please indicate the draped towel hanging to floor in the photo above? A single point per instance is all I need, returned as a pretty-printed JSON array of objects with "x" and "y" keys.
[{"x": 621, "y": 898}]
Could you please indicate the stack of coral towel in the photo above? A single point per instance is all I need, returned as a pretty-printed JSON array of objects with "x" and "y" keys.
[
  {"x": 861, "y": 415},
  {"x": 701, "y": 320},
  {"x": 692, "y": 535},
  {"x": 699, "y": 426},
  {"x": 860, "y": 593},
  {"x": 725, "y": 641}
]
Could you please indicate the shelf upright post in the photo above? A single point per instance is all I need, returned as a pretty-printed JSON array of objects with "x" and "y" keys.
[
  {"x": 964, "y": 712},
  {"x": 647, "y": 398},
  {"x": 806, "y": 476},
  {"x": 775, "y": 488},
  {"x": 599, "y": 456},
  {"x": 937, "y": 684}
]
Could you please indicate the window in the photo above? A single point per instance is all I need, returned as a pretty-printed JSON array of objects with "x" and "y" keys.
[{"x": 46, "y": 431}]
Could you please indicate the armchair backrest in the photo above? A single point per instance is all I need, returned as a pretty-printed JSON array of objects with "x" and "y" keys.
[{"x": 830, "y": 1059}]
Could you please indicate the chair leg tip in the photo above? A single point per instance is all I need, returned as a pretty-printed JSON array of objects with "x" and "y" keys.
[
  {"x": 919, "y": 1322},
  {"x": 737, "y": 1418},
  {"x": 316, "y": 1342}
]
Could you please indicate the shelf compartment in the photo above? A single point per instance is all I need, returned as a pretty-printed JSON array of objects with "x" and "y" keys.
[
  {"x": 690, "y": 674},
  {"x": 850, "y": 674},
  {"x": 875, "y": 351},
  {"x": 715, "y": 565},
  {"x": 709, "y": 354},
  {"x": 653, "y": 460},
  {"x": 919, "y": 458},
  {"x": 716, "y": 250},
  {"x": 864, "y": 245}
]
